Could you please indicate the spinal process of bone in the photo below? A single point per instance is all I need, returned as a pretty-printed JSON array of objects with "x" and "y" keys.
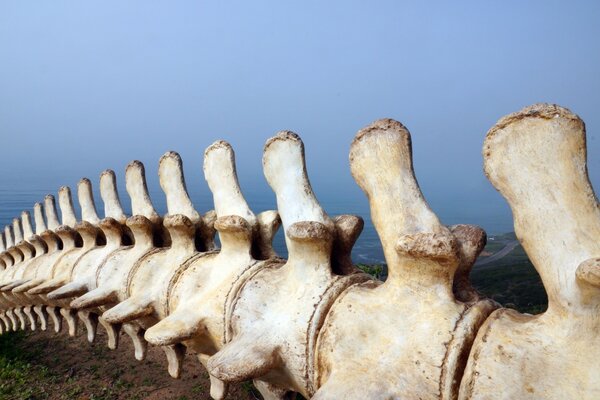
[{"x": 314, "y": 324}]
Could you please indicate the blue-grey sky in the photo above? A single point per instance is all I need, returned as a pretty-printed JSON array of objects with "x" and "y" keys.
[{"x": 91, "y": 85}]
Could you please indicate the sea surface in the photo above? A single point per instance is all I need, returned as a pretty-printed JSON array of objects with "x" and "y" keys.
[{"x": 19, "y": 196}]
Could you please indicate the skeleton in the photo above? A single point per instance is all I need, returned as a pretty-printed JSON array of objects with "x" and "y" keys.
[{"x": 314, "y": 324}]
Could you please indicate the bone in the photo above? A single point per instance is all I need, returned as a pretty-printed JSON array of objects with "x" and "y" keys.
[
  {"x": 84, "y": 271},
  {"x": 238, "y": 229},
  {"x": 21, "y": 319},
  {"x": 112, "y": 331},
  {"x": 37, "y": 241},
  {"x": 24, "y": 287},
  {"x": 174, "y": 329},
  {"x": 48, "y": 234},
  {"x": 110, "y": 196},
  {"x": 347, "y": 229},
  {"x": 17, "y": 230},
  {"x": 65, "y": 202},
  {"x": 71, "y": 289},
  {"x": 181, "y": 230},
  {"x": 90, "y": 321},
  {"x": 24, "y": 247},
  {"x": 547, "y": 221},
  {"x": 94, "y": 298},
  {"x": 280, "y": 356},
  {"x": 536, "y": 158},
  {"x": 181, "y": 223},
  {"x": 250, "y": 359},
  {"x": 14, "y": 284},
  {"x": 71, "y": 317},
  {"x": 38, "y": 214},
  {"x": 418, "y": 331},
  {"x": 42, "y": 314},
  {"x": 12, "y": 321},
  {"x": 218, "y": 388},
  {"x": 268, "y": 225},
  {"x": 54, "y": 314},
  {"x": 128, "y": 310},
  {"x": 135, "y": 181},
  {"x": 57, "y": 272},
  {"x": 142, "y": 230},
  {"x": 15, "y": 253},
  {"x": 407, "y": 227},
  {"x": 175, "y": 355},
  {"x": 299, "y": 326},
  {"x": 50, "y": 212},
  {"x": 32, "y": 322},
  {"x": 5, "y": 259},
  {"x": 170, "y": 173},
  {"x": 141, "y": 205},
  {"x": 137, "y": 336},
  {"x": 5, "y": 256},
  {"x": 86, "y": 201},
  {"x": 220, "y": 173},
  {"x": 111, "y": 275},
  {"x": 8, "y": 236},
  {"x": 471, "y": 240},
  {"x": 234, "y": 215},
  {"x": 285, "y": 171},
  {"x": 26, "y": 223},
  {"x": 47, "y": 286}
]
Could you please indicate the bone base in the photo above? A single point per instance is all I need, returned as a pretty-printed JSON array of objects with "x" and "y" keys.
[
  {"x": 513, "y": 350},
  {"x": 411, "y": 347}
]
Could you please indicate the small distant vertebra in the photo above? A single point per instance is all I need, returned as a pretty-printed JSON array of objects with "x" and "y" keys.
[{"x": 315, "y": 324}]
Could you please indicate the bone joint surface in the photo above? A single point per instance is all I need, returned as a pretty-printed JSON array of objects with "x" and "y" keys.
[{"x": 314, "y": 324}]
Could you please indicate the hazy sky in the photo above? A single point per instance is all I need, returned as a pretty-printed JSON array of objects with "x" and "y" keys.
[{"x": 86, "y": 86}]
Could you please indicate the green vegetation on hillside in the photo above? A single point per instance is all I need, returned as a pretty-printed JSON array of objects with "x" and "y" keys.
[{"x": 513, "y": 282}]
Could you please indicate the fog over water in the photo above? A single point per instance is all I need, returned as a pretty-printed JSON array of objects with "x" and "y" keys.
[{"x": 88, "y": 86}]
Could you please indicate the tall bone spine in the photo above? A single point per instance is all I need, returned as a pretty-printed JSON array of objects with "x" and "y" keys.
[
  {"x": 536, "y": 158},
  {"x": 418, "y": 333}
]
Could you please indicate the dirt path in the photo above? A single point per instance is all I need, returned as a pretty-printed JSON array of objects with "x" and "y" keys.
[{"x": 510, "y": 246}]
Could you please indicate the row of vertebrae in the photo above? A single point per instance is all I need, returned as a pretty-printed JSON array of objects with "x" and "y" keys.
[{"x": 315, "y": 324}]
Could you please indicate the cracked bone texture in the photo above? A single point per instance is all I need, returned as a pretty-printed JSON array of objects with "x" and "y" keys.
[{"x": 313, "y": 324}]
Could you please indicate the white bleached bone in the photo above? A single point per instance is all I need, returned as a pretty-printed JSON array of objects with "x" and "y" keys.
[
  {"x": 110, "y": 197},
  {"x": 38, "y": 269},
  {"x": 195, "y": 297},
  {"x": 109, "y": 285},
  {"x": 71, "y": 232},
  {"x": 312, "y": 324},
  {"x": 141, "y": 299},
  {"x": 25, "y": 272},
  {"x": 83, "y": 274}
]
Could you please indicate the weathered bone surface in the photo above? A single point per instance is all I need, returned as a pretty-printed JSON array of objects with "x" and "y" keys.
[
  {"x": 314, "y": 324},
  {"x": 281, "y": 306},
  {"x": 418, "y": 333},
  {"x": 537, "y": 159}
]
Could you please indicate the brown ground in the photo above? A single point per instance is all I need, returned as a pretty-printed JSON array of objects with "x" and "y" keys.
[{"x": 71, "y": 368}]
